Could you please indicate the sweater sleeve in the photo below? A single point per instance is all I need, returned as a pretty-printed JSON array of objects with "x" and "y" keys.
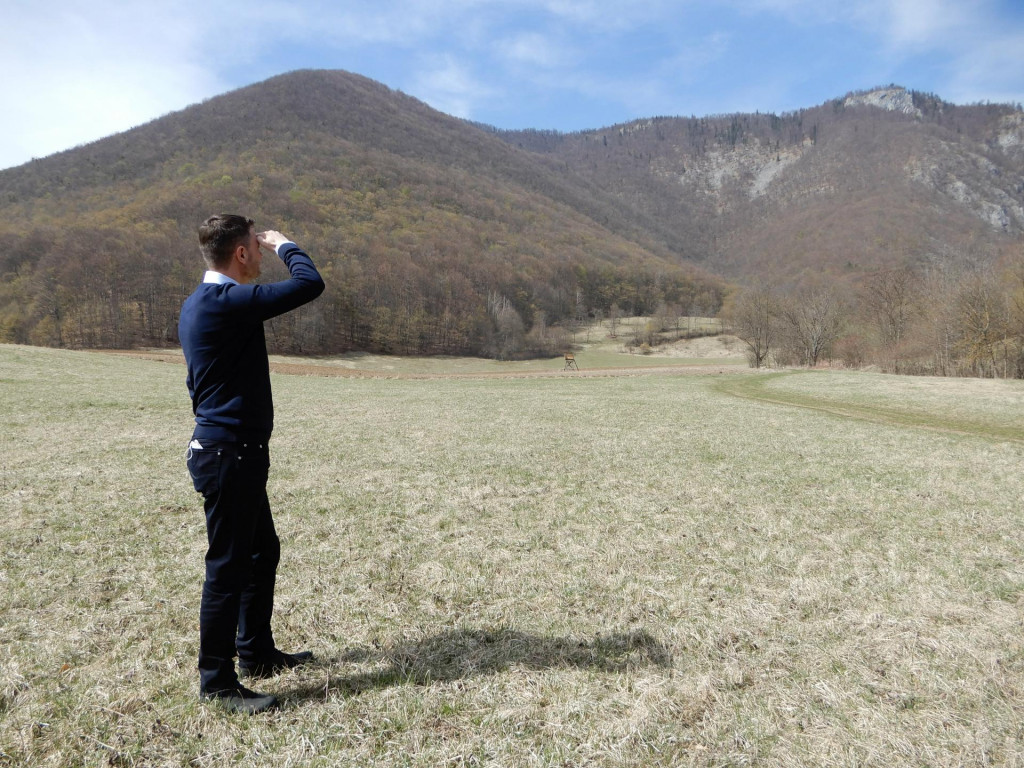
[{"x": 263, "y": 302}]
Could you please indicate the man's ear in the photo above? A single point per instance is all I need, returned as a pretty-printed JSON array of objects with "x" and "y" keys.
[{"x": 241, "y": 254}]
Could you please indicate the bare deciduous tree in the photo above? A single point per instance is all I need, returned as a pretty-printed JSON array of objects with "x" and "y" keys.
[
  {"x": 614, "y": 316},
  {"x": 892, "y": 300},
  {"x": 510, "y": 330},
  {"x": 813, "y": 319},
  {"x": 984, "y": 323},
  {"x": 754, "y": 317},
  {"x": 1015, "y": 301}
]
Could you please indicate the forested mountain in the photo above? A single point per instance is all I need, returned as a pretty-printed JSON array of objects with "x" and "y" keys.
[
  {"x": 436, "y": 235},
  {"x": 867, "y": 180}
]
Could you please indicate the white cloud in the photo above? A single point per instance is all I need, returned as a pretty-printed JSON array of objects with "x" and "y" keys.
[
  {"x": 397, "y": 26},
  {"x": 920, "y": 22},
  {"x": 912, "y": 25},
  {"x": 610, "y": 14},
  {"x": 981, "y": 53},
  {"x": 984, "y": 56},
  {"x": 897, "y": 21},
  {"x": 75, "y": 73},
  {"x": 692, "y": 59},
  {"x": 403, "y": 23},
  {"x": 448, "y": 86},
  {"x": 990, "y": 71},
  {"x": 804, "y": 12},
  {"x": 534, "y": 49}
]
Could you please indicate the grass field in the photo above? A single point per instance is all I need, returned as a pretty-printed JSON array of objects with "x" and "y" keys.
[{"x": 801, "y": 569}]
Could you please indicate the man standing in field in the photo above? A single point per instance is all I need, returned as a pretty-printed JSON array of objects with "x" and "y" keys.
[{"x": 221, "y": 333}]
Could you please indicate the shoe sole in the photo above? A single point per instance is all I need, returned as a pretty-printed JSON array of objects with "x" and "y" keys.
[
  {"x": 244, "y": 706},
  {"x": 260, "y": 672}
]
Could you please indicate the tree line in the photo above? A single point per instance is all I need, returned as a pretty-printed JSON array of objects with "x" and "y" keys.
[
  {"x": 962, "y": 317},
  {"x": 112, "y": 288}
]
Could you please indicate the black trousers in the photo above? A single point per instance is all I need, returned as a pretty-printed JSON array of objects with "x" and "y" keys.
[{"x": 241, "y": 561}]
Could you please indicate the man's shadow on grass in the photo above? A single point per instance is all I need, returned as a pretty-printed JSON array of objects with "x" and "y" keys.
[{"x": 466, "y": 653}]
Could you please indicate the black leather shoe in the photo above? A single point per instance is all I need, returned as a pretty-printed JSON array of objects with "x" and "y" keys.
[
  {"x": 276, "y": 663},
  {"x": 241, "y": 699}
]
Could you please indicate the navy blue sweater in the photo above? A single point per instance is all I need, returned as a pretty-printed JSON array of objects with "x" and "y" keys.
[{"x": 221, "y": 333}]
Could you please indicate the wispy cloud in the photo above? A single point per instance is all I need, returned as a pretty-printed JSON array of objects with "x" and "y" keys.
[
  {"x": 690, "y": 61},
  {"x": 536, "y": 50},
  {"x": 608, "y": 14},
  {"x": 983, "y": 55},
  {"x": 990, "y": 71},
  {"x": 451, "y": 87},
  {"x": 920, "y": 23}
]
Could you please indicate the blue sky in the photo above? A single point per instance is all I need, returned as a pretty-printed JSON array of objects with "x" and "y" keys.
[{"x": 74, "y": 71}]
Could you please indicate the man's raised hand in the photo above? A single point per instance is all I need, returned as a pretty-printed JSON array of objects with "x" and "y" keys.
[{"x": 271, "y": 239}]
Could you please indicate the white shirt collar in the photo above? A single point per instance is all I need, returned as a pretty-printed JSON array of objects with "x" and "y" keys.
[{"x": 218, "y": 277}]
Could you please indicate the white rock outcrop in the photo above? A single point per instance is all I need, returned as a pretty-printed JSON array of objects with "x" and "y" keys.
[
  {"x": 751, "y": 166},
  {"x": 889, "y": 99},
  {"x": 1011, "y": 134}
]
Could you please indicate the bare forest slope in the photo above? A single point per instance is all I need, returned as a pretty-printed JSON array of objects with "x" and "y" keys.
[{"x": 870, "y": 179}]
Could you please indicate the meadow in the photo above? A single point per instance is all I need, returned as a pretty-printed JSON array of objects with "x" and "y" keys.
[{"x": 780, "y": 569}]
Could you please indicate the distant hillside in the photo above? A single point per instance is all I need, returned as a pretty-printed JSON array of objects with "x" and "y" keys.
[
  {"x": 868, "y": 180},
  {"x": 441, "y": 236},
  {"x": 435, "y": 236}
]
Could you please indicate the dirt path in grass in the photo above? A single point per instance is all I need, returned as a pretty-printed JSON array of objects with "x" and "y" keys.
[
  {"x": 312, "y": 369},
  {"x": 879, "y": 414}
]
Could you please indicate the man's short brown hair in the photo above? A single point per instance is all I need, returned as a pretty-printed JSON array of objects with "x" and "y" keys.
[{"x": 219, "y": 236}]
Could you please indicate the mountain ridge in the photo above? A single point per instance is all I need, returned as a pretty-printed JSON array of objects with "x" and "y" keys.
[
  {"x": 845, "y": 148},
  {"x": 432, "y": 226}
]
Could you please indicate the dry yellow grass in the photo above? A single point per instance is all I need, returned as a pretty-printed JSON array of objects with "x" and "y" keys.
[{"x": 526, "y": 572}]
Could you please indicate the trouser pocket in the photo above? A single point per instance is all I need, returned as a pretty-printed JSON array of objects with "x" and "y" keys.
[{"x": 204, "y": 468}]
